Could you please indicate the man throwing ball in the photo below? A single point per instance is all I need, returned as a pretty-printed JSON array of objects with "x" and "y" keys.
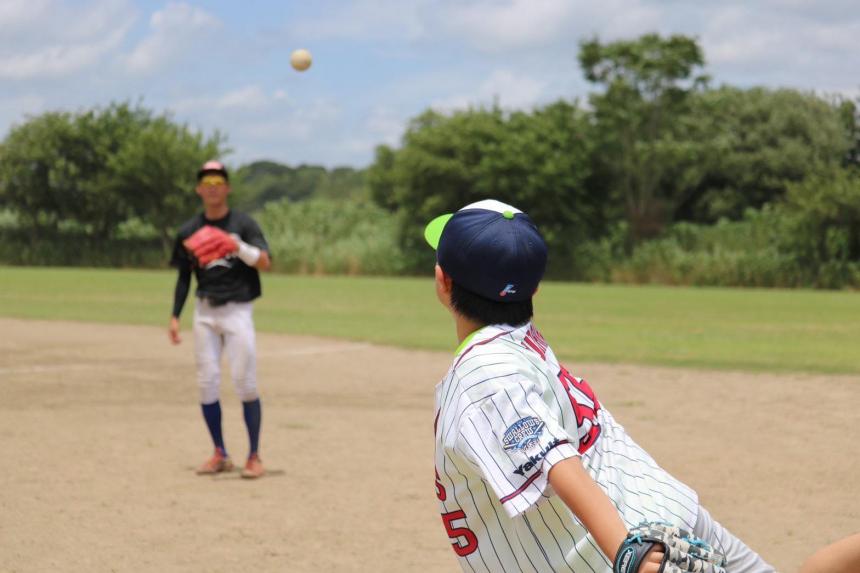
[
  {"x": 532, "y": 471},
  {"x": 225, "y": 249}
]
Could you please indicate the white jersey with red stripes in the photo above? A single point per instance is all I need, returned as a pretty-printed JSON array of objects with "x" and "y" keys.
[{"x": 506, "y": 412}]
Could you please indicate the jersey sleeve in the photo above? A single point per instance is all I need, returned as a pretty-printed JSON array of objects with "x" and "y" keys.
[
  {"x": 253, "y": 234},
  {"x": 514, "y": 439}
]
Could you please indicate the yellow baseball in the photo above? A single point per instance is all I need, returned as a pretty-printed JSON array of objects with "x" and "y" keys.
[{"x": 300, "y": 59}]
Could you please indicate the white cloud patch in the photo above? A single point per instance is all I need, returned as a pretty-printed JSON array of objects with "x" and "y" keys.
[
  {"x": 502, "y": 26},
  {"x": 492, "y": 26},
  {"x": 384, "y": 126},
  {"x": 783, "y": 43},
  {"x": 176, "y": 32},
  {"x": 249, "y": 98},
  {"x": 22, "y": 13},
  {"x": 505, "y": 87},
  {"x": 54, "y": 39},
  {"x": 15, "y": 110},
  {"x": 498, "y": 26},
  {"x": 364, "y": 19}
]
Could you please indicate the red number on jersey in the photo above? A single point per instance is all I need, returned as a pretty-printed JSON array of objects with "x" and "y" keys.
[
  {"x": 586, "y": 415},
  {"x": 441, "y": 494},
  {"x": 460, "y": 534}
]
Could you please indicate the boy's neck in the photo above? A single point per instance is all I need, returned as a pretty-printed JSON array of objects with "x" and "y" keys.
[
  {"x": 215, "y": 213},
  {"x": 465, "y": 327}
]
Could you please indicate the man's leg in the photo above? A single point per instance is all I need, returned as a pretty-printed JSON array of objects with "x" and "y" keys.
[
  {"x": 207, "y": 351},
  {"x": 240, "y": 342},
  {"x": 741, "y": 559}
]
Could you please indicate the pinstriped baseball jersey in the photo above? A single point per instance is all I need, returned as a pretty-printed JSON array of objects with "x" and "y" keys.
[{"x": 506, "y": 412}]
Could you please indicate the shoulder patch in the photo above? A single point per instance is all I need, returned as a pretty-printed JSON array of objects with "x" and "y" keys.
[{"x": 523, "y": 433}]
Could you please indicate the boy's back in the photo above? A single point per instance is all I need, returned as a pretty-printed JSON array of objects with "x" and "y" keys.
[{"x": 506, "y": 412}]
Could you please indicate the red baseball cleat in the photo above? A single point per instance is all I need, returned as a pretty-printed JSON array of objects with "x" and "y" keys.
[
  {"x": 253, "y": 467},
  {"x": 216, "y": 464}
]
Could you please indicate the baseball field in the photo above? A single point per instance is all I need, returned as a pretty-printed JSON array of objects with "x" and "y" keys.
[{"x": 749, "y": 396}]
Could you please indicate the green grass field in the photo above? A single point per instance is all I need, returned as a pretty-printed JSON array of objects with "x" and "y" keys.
[{"x": 772, "y": 330}]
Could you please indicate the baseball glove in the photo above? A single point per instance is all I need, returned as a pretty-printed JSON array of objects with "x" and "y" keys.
[
  {"x": 209, "y": 244},
  {"x": 682, "y": 551}
]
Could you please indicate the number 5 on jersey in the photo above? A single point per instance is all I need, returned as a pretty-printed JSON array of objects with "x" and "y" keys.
[{"x": 465, "y": 542}]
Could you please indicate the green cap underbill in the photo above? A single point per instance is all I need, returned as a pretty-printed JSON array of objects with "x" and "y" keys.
[{"x": 433, "y": 231}]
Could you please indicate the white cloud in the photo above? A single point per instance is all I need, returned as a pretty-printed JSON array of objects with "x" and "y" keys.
[
  {"x": 383, "y": 126},
  {"x": 16, "y": 109},
  {"x": 364, "y": 19},
  {"x": 17, "y": 13},
  {"x": 60, "y": 60},
  {"x": 175, "y": 31},
  {"x": 498, "y": 26},
  {"x": 52, "y": 39},
  {"x": 250, "y": 98},
  {"x": 492, "y": 26},
  {"x": 783, "y": 43},
  {"x": 505, "y": 87}
]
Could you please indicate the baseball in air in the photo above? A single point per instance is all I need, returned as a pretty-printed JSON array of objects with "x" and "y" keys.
[{"x": 300, "y": 60}]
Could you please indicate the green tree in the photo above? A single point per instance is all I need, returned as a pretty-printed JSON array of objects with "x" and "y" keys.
[
  {"x": 155, "y": 172},
  {"x": 646, "y": 86},
  {"x": 538, "y": 161},
  {"x": 748, "y": 146},
  {"x": 823, "y": 214},
  {"x": 261, "y": 182},
  {"x": 93, "y": 170},
  {"x": 850, "y": 115}
]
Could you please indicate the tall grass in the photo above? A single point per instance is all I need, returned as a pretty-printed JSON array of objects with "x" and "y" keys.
[
  {"x": 759, "y": 251},
  {"x": 324, "y": 236}
]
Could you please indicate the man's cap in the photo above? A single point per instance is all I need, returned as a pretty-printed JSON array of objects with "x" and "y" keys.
[
  {"x": 491, "y": 249},
  {"x": 212, "y": 167}
]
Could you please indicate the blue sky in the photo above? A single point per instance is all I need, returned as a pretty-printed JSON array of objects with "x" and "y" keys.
[{"x": 224, "y": 65}]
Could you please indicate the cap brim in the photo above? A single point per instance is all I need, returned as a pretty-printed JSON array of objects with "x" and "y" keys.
[{"x": 433, "y": 231}]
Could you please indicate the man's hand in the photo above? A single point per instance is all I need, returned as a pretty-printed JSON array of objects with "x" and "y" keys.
[
  {"x": 652, "y": 562},
  {"x": 173, "y": 330},
  {"x": 649, "y": 544}
]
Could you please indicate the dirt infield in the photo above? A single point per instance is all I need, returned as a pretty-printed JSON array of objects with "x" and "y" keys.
[{"x": 100, "y": 432}]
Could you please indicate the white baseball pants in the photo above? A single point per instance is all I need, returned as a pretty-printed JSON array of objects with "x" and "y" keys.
[
  {"x": 741, "y": 559},
  {"x": 227, "y": 327}
]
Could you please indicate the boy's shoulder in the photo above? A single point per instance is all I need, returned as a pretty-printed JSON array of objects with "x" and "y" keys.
[{"x": 189, "y": 226}]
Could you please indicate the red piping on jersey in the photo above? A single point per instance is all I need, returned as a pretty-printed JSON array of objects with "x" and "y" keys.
[
  {"x": 522, "y": 488},
  {"x": 465, "y": 352}
]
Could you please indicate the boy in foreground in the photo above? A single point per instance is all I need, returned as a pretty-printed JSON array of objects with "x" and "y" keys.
[{"x": 532, "y": 472}]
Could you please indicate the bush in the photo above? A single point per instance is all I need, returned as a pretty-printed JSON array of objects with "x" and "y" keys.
[
  {"x": 76, "y": 248},
  {"x": 773, "y": 247},
  {"x": 323, "y": 236}
]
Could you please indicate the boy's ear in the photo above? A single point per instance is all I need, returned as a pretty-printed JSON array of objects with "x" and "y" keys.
[
  {"x": 444, "y": 285},
  {"x": 443, "y": 280}
]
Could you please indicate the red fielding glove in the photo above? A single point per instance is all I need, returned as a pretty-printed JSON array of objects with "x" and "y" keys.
[{"x": 209, "y": 244}]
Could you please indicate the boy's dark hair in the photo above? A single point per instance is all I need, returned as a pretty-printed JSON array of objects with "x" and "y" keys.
[{"x": 486, "y": 311}]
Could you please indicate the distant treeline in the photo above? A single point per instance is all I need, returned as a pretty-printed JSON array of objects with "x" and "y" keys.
[{"x": 658, "y": 177}]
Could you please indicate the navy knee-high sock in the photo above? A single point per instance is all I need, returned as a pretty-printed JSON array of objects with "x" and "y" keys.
[
  {"x": 212, "y": 415},
  {"x": 253, "y": 415}
]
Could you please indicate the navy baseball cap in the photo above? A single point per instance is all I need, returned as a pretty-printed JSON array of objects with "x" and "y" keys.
[
  {"x": 491, "y": 249},
  {"x": 212, "y": 167}
]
